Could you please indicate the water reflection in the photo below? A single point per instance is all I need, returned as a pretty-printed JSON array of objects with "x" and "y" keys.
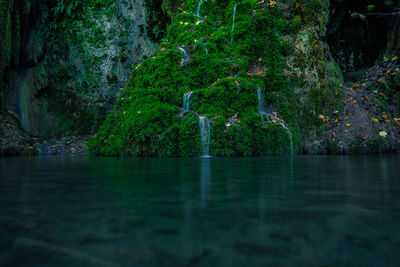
[
  {"x": 205, "y": 180},
  {"x": 170, "y": 212}
]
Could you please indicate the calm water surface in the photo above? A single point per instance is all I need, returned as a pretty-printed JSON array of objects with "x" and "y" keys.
[{"x": 302, "y": 211}]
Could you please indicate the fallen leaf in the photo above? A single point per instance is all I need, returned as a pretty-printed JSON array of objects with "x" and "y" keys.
[
  {"x": 348, "y": 124},
  {"x": 375, "y": 120},
  {"x": 383, "y": 133}
]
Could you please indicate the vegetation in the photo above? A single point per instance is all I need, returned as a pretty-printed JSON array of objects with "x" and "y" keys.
[{"x": 146, "y": 120}]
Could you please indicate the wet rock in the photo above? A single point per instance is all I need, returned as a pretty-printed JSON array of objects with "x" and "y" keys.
[
  {"x": 13, "y": 140},
  {"x": 72, "y": 145}
]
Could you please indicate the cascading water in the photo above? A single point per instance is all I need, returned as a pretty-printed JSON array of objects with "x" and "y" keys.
[
  {"x": 233, "y": 22},
  {"x": 205, "y": 45},
  {"x": 186, "y": 101},
  {"x": 205, "y": 136},
  {"x": 198, "y": 8},
  {"x": 185, "y": 57},
  {"x": 275, "y": 118},
  {"x": 291, "y": 143},
  {"x": 260, "y": 102}
]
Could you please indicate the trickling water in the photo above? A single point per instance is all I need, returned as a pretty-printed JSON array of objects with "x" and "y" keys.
[
  {"x": 291, "y": 143},
  {"x": 262, "y": 112},
  {"x": 205, "y": 136},
  {"x": 260, "y": 102},
  {"x": 185, "y": 57},
  {"x": 205, "y": 45},
  {"x": 198, "y": 8},
  {"x": 186, "y": 101},
  {"x": 233, "y": 22}
]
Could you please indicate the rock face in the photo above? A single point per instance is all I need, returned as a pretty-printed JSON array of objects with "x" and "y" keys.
[
  {"x": 326, "y": 71},
  {"x": 295, "y": 52},
  {"x": 13, "y": 139},
  {"x": 67, "y": 70}
]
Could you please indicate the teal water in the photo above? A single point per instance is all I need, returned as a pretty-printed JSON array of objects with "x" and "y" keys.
[{"x": 298, "y": 211}]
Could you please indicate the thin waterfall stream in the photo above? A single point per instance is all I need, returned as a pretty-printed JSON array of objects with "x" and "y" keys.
[
  {"x": 205, "y": 128},
  {"x": 185, "y": 57},
  {"x": 233, "y": 22},
  {"x": 275, "y": 118},
  {"x": 260, "y": 102},
  {"x": 205, "y": 45},
  {"x": 187, "y": 99},
  {"x": 199, "y": 8}
]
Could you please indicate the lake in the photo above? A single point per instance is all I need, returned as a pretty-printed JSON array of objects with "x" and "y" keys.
[{"x": 277, "y": 211}]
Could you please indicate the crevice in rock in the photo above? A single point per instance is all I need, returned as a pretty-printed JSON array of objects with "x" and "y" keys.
[{"x": 358, "y": 34}]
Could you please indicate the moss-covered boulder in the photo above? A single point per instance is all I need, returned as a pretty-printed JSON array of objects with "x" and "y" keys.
[{"x": 222, "y": 51}]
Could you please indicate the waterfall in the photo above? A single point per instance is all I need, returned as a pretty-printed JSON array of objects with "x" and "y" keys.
[
  {"x": 260, "y": 102},
  {"x": 291, "y": 142},
  {"x": 205, "y": 136},
  {"x": 262, "y": 112},
  {"x": 185, "y": 57},
  {"x": 205, "y": 45},
  {"x": 186, "y": 101},
  {"x": 233, "y": 22},
  {"x": 198, "y": 8}
]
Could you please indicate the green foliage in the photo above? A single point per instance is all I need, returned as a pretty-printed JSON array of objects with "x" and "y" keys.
[
  {"x": 296, "y": 23},
  {"x": 70, "y": 7},
  {"x": 147, "y": 121},
  {"x": 373, "y": 146}
]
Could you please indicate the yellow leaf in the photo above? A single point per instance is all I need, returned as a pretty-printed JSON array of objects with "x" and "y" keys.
[
  {"x": 124, "y": 113},
  {"x": 375, "y": 120},
  {"x": 384, "y": 115},
  {"x": 348, "y": 124},
  {"x": 354, "y": 101}
]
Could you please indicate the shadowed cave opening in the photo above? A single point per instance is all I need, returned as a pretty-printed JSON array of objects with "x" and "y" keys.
[{"x": 357, "y": 34}]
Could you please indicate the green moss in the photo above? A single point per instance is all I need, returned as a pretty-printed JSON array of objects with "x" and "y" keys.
[
  {"x": 372, "y": 146},
  {"x": 296, "y": 23},
  {"x": 146, "y": 120}
]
